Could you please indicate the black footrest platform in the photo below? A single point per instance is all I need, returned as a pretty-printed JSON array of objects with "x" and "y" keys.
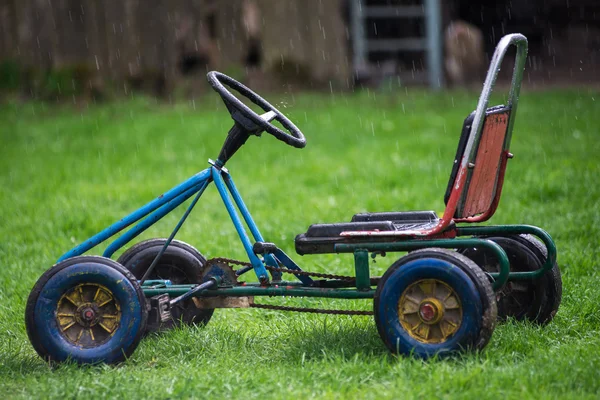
[
  {"x": 400, "y": 217},
  {"x": 322, "y": 230},
  {"x": 321, "y": 238}
]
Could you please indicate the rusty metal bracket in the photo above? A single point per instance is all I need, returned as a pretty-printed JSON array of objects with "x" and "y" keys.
[{"x": 223, "y": 302}]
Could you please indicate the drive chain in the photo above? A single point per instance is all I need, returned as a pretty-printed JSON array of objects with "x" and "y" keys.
[
  {"x": 230, "y": 262},
  {"x": 311, "y": 310}
]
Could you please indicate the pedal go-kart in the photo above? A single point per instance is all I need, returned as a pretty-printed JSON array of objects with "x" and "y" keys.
[{"x": 443, "y": 297}]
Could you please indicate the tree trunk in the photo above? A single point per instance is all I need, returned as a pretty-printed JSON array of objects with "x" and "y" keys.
[
  {"x": 230, "y": 36},
  {"x": 8, "y": 30},
  {"x": 122, "y": 39},
  {"x": 309, "y": 35},
  {"x": 96, "y": 34},
  {"x": 69, "y": 32},
  {"x": 327, "y": 53}
]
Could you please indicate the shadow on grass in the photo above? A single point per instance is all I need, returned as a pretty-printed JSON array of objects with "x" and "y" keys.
[
  {"x": 274, "y": 339},
  {"x": 279, "y": 339},
  {"x": 343, "y": 341}
]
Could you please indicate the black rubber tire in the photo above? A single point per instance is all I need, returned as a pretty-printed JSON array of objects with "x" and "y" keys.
[
  {"x": 472, "y": 270},
  {"x": 181, "y": 263},
  {"x": 536, "y": 301},
  {"x": 554, "y": 281},
  {"x": 32, "y": 329}
]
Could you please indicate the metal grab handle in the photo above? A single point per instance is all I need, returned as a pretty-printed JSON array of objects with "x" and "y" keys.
[{"x": 520, "y": 42}]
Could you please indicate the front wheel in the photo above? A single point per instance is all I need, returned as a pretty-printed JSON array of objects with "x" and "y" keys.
[
  {"x": 86, "y": 309},
  {"x": 434, "y": 302}
]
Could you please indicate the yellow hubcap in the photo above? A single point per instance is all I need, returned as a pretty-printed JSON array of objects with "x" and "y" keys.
[
  {"x": 430, "y": 311},
  {"x": 88, "y": 315}
]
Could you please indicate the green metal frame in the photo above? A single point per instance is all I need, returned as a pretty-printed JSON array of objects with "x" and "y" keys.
[
  {"x": 361, "y": 252},
  {"x": 410, "y": 245},
  {"x": 503, "y": 230},
  {"x": 248, "y": 290}
]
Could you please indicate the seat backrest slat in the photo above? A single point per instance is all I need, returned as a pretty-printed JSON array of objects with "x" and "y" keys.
[
  {"x": 476, "y": 198},
  {"x": 483, "y": 180}
]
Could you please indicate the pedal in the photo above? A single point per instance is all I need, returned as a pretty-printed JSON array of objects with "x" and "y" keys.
[
  {"x": 160, "y": 310},
  {"x": 264, "y": 247}
]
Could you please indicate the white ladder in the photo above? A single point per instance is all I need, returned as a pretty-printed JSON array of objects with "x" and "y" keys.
[{"x": 431, "y": 43}]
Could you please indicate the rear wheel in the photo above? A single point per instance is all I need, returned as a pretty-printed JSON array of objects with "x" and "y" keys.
[
  {"x": 434, "y": 302},
  {"x": 86, "y": 309},
  {"x": 534, "y": 300},
  {"x": 181, "y": 264}
]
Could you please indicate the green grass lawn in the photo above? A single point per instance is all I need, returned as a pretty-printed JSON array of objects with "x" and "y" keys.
[{"x": 66, "y": 173}]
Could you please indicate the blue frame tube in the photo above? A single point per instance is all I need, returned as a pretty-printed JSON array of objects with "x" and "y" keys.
[
  {"x": 259, "y": 268},
  {"x": 290, "y": 264},
  {"x": 172, "y": 235},
  {"x": 242, "y": 207},
  {"x": 165, "y": 203},
  {"x": 118, "y": 226},
  {"x": 152, "y": 219},
  {"x": 237, "y": 198}
]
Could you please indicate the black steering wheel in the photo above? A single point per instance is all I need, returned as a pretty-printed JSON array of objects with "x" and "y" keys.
[{"x": 249, "y": 119}]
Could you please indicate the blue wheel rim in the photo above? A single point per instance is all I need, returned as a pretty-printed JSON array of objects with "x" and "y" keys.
[
  {"x": 49, "y": 332},
  {"x": 397, "y": 337}
]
